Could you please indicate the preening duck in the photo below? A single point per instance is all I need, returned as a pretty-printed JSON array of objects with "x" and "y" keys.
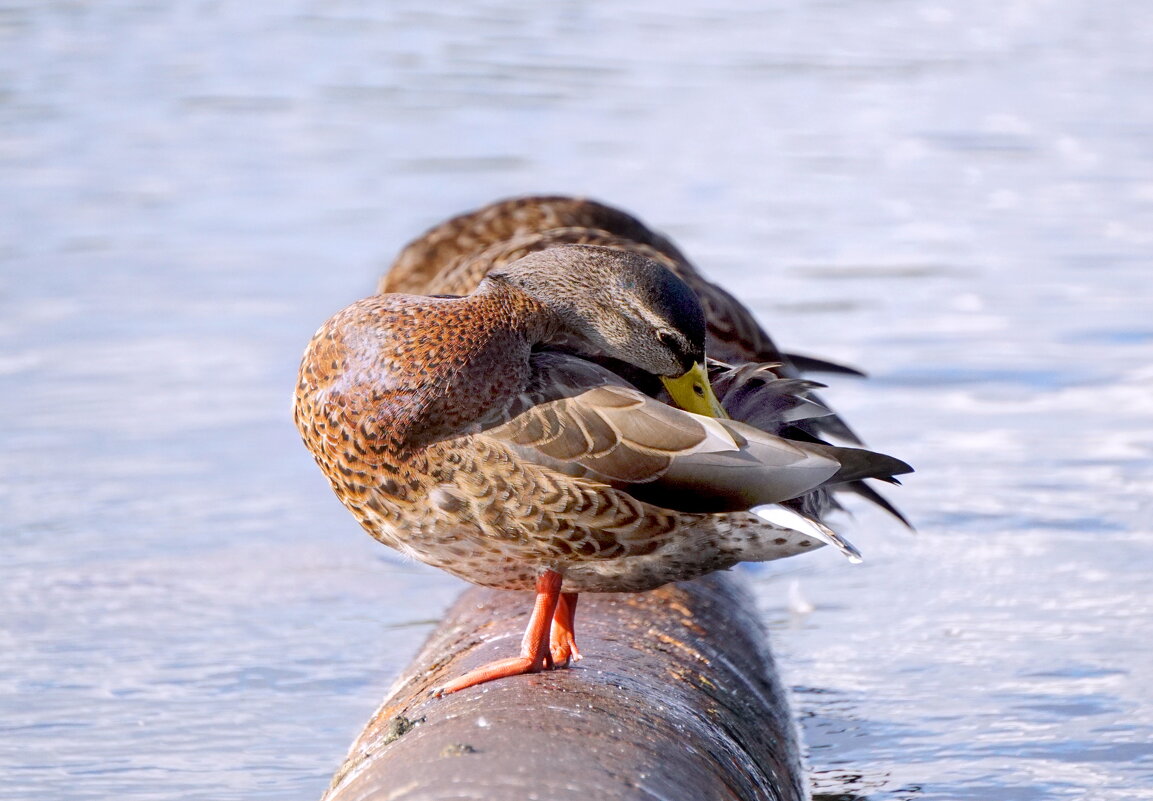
[{"x": 518, "y": 436}]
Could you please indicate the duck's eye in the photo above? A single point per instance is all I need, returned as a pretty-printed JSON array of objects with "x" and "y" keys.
[{"x": 669, "y": 340}]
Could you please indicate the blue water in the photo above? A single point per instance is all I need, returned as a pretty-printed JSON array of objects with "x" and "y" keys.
[{"x": 957, "y": 197}]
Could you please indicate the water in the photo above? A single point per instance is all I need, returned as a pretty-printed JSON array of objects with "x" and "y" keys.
[{"x": 957, "y": 197}]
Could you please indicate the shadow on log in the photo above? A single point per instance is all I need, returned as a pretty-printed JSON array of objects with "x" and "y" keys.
[{"x": 676, "y": 699}]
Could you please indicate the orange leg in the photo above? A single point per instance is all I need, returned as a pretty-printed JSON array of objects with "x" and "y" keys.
[
  {"x": 563, "y": 638},
  {"x": 534, "y": 648}
]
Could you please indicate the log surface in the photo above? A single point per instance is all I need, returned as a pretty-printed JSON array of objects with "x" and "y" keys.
[{"x": 677, "y": 698}]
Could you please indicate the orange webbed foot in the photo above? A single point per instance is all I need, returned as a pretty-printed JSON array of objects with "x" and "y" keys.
[
  {"x": 500, "y": 669},
  {"x": 543, "y": 639}
]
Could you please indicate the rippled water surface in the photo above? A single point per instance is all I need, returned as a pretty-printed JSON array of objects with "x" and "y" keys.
[{"x": 957, "y": 197}]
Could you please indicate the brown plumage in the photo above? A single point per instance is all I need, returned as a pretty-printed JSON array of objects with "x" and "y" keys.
[{"x": 491, "y": 436}]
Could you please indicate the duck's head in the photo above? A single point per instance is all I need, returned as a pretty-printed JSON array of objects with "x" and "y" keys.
[{"x": 609, "y": 302}]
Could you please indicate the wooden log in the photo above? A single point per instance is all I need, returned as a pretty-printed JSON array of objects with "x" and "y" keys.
[{"x": 677, "y": 698}]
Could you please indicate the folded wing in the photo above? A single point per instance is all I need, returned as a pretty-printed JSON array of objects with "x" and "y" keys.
[{"x": 584, "y": 420}]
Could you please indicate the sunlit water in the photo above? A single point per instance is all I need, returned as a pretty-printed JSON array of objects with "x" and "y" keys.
[{"x": 957, "y": 197}]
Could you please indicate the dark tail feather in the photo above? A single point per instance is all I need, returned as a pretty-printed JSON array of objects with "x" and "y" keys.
[
  {"x": 870, "y": 494},
  {"x": 812, "y": 364},
  {"x": 857, "y": 463}
]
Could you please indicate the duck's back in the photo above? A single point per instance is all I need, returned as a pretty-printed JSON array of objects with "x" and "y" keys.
[{"x": 440, "y": 249}]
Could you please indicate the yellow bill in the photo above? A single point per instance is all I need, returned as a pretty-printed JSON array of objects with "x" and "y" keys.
[{"x": 693, "y": 393}]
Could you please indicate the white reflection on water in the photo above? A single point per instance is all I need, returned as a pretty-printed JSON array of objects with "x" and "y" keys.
[{"x": 956, "y": 197}]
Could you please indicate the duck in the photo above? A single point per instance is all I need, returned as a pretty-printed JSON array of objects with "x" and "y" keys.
[{"x": 556, "y": 429}]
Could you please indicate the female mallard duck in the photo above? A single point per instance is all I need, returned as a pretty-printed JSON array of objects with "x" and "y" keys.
[{"x": 487, "y": 435}]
